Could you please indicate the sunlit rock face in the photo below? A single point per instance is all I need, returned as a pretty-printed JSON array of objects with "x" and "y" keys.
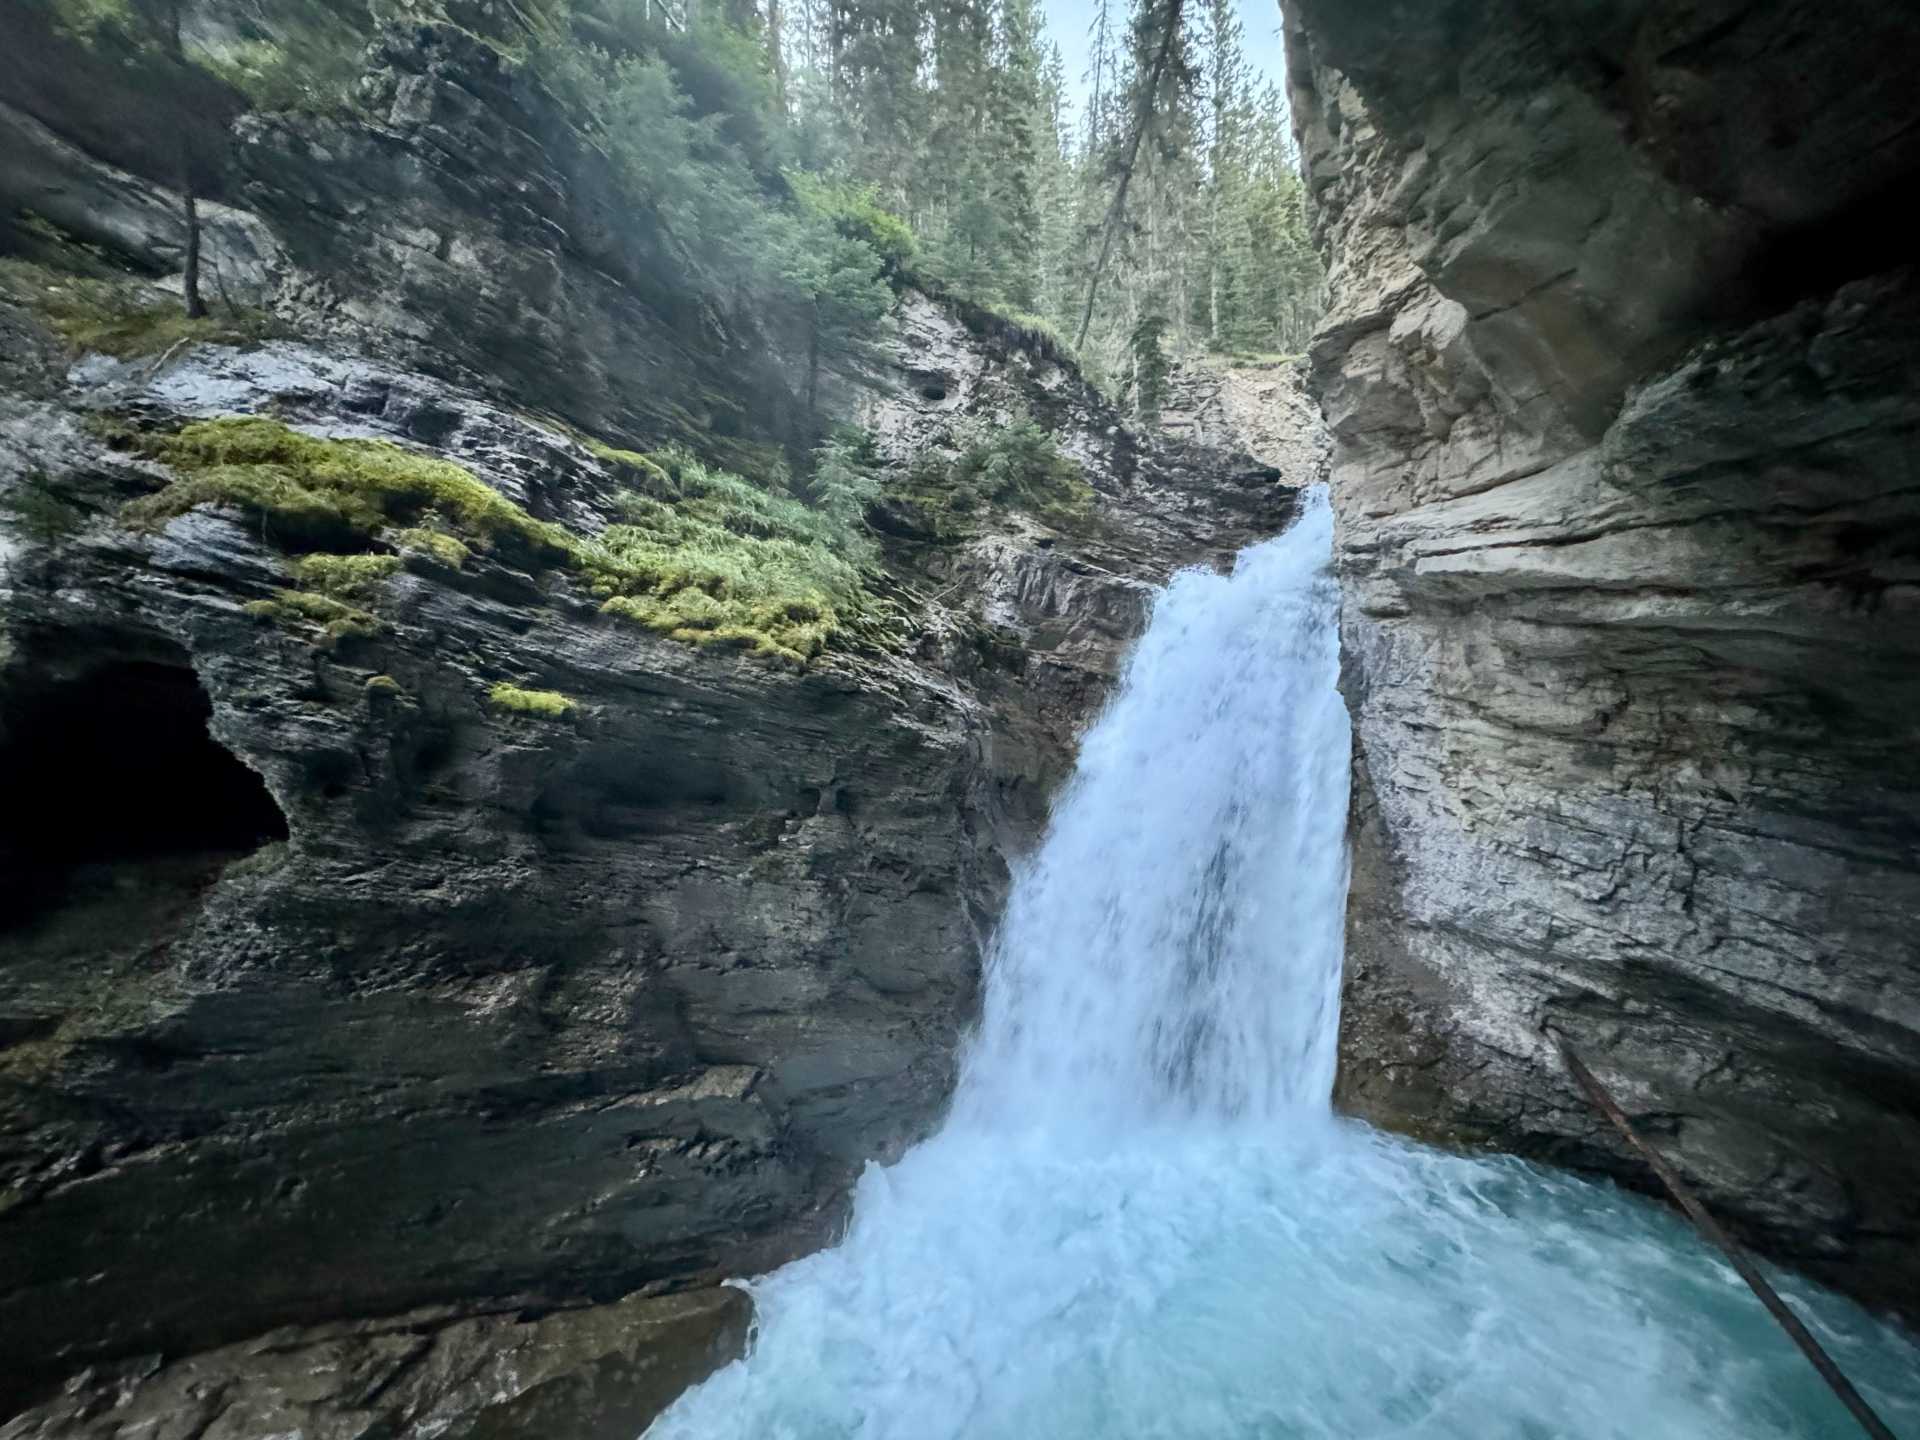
[{"x": 1623, "y": 373}]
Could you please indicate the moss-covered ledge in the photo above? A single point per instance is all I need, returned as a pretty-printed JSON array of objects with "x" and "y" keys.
[{"x": 700, "y": 556}]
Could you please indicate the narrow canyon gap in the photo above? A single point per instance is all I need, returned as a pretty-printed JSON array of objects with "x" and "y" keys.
[
  {"x": 1142, "y": 1217},
  {"x": 527, "y": 728}
]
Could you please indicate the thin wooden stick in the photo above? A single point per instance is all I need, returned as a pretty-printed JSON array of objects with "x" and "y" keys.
[{"x": 1749, "y": 1272}]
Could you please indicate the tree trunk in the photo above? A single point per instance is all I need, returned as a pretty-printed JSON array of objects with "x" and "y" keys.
[
  {"x": 190, "y": 273},
  {"x": 813, "y": 368},
  {"x": 1213, "y": 262},
  {"x": 1118, "y": 209},
  {"x": 776, "y": 53}
]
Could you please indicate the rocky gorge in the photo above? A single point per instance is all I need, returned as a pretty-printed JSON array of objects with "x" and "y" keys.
[
  {"x": 1622, "y": 374},
  {"x": 413, "y": 940},
  {"x": 424, "y": 982}
]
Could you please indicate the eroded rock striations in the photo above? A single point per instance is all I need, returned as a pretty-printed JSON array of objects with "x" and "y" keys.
[
  {"x": 340, "y": 982},
  {"x": 1623, "y": 372}
]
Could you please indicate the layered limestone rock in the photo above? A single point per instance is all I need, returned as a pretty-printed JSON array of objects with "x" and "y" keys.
[
  {"x": 523, "y": 1008},
  {"x": 1260, "y": 406},
  {"x": 1624, "y": 381},
  {"x": 340, "y": 982},
  {"x": 600, "y": 1373}
]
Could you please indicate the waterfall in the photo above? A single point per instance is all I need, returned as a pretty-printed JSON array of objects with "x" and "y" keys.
[
  {"x": 1173, "y": 951},
  {"x": 1141, "y": 1219}
]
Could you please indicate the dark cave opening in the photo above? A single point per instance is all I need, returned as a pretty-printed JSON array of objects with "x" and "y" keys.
[
  {"x": 117, "y": 765},
  {"x": 1812, "y": 259}
]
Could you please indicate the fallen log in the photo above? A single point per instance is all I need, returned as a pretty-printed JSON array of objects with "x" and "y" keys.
[{"x": 1710, "y": 1227}]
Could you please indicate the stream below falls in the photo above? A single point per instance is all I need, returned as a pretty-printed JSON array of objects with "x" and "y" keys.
[{"x": 1141, "y": 1218}]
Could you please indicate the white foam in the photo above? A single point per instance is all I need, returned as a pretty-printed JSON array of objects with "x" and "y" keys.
[{"x": 1141, "y": 1219}]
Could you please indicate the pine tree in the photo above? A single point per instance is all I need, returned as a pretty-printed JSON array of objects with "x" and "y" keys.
[
  {"x": 1226, "y": 82},
  {"x": 181, "y": 106},
  {"x": 777, "y": 52},
  {"x": 1158, "y": 87},
  {"x": 1103, "y": 77},
  {"x": 1151, "y": 367},
  {"x": 875, "y": 53},
  {"x": 1169, "y": 216},
  {"x": 1285, "y": 281},
  {"x": 957, "y": 215},
  {"x": 1017, "y": 116},
  {"x": 1056, "y": 196}
]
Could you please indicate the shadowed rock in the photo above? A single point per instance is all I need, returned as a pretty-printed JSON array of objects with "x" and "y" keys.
[{"x": 1622, "y": 382}]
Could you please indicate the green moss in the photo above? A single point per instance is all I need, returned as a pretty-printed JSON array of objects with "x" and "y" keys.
[
  {"x": 547, "y": 704},
  {"x": 278, "y": 500},
  {"x": 436, "y": 544},
  {"x": 384, "y": 686},
  {"x": 346, "y": 577},
  {"x": 319, "y": 488},
  {"x": 701, "y": 555},
  {"x": 791, "y": 634},
  {"x": 121, "y": 315},
  {"x": 644, "y": 466},
  {"x": 298, "y": 609}
]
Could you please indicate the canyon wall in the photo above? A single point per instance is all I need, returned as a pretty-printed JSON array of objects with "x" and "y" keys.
[
  {"x": 335, "y": 987},
  {"x": 1623, "y": 374}
]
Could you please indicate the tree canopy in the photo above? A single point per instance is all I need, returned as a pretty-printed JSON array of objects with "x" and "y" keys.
[{"x": 796, "y": 158}]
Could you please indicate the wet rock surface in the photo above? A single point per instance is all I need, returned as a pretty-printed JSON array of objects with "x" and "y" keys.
[
  {"x": 600, "y": 1373},
  {"x": 521, "y": 1010},
  {"x": 1624, "y": 406},
  {"x": 488, "y": 1012}
]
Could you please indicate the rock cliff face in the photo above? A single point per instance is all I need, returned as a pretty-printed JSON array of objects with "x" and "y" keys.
[
  {"x": 1623, "y": 370},
  {"x": 336, "y": 987},
  {"x": 1261, "y": 407}
]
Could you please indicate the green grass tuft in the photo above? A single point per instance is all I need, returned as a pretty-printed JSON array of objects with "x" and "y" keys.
[
  {"x": 298, "y": 609},
  {"x": 546, "y": 704},
  {"x": 716, "y": 560},
  {"x": 649, "y": 470},
  {"x": 346, "y": 577},
  {"x": 437, "y": 545},
  {"x": 1013, "y": 465},
  {"x": 122, "y": 315}
]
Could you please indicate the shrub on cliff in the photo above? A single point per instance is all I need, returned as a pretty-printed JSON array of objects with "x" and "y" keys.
[
  {"x": 541, "y": 704},
  {"x": 710, "y": 558},
  {"x": 1018, "y": 464},
  {"x": 810, "y": 264}
]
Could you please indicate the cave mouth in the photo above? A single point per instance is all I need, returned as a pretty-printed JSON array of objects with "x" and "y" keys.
[{"x": 117, "y": 765}]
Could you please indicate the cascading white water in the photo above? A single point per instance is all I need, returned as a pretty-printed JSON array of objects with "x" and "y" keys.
[
  {"x": 1141, "y": 1219},
  {"x": 1173, "y": 951}
]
